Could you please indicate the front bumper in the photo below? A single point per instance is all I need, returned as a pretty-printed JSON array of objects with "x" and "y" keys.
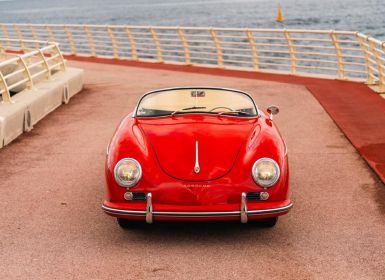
[{"x": 245, "y": 211}]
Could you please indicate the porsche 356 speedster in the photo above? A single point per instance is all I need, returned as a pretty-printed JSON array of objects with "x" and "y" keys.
[{"x": 197, "y": 154}]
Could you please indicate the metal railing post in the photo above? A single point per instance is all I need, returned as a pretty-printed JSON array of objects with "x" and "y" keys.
[
  {"x": 339, "y": 55},
  {"x": 291, "y": 48},
  {"x": 90, "y": 40},
  {"x": 155, "y": 38},
  {"x": 380, "y": 69},
  {"x": 131, "y": 39},
  {"x": 254, "y": 50},
  {"x": 6, "y": 96},
  {"x": 18, "y": 32},
  {"x": 114, "y": 45},
  {"x": 26, "y": 72},
  {"x": 186, "y": 50},
  {"x": 51, "y": 36},
  {"x": 369, "y": 71},
  {"x": 70, "y": 39},
  {"x": 218, "y": 47},
  {"x": 20, "y": 37},
  {"x": 34, "y": 37},
  {"x": 48, "y": 76},
  {"x": 6, "y": 34},
  {"x": 60, "y": 57}
]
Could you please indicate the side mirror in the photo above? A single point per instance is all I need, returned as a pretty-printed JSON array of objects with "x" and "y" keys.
[{"x": 272, "y": 110}]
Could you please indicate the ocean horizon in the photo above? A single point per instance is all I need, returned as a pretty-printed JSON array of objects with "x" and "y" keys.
[{"x": 353, "y": 15}]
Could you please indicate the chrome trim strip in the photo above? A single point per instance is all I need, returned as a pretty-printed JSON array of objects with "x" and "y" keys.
[
  {"x": 198, "y": 214},
  {"x": 123, "y": 212},
  {"x": 197, "y": 168}
]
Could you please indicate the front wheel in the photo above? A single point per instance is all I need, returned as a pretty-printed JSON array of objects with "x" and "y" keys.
[
  {"x": 128, "y": 224},
  {"x": 269, "y": 222}
]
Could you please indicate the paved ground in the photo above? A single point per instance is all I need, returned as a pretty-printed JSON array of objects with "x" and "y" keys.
[{"x": 51, "y": 226}]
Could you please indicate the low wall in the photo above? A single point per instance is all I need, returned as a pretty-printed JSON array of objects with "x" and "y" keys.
[{"x": 33, "y": 83}]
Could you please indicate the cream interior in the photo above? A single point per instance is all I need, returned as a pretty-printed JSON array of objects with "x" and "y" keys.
[{"x": 179, "y": 99}]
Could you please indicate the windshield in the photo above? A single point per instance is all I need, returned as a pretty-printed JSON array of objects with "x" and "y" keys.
[{"x": 196, "y": 100}]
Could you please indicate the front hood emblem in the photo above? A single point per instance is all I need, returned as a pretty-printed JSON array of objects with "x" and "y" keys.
[{"x": 197, "y": 168}]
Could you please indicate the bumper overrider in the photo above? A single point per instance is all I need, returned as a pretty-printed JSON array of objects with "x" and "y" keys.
[{"x": 244, "y": 213}]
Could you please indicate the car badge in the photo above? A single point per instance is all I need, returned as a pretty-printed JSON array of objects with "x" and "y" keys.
[{"x": 197, "y": 168}]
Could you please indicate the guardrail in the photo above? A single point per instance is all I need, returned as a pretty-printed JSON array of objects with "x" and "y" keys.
[
  {"x": 334, "y": 54},
  {"x": 26, "y": 62}
]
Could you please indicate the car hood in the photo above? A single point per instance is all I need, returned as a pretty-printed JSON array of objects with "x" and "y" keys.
[{"x": 215, "y": 140}]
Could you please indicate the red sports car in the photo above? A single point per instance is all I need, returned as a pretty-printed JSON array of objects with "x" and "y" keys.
[{"x": 197, "y": 153}]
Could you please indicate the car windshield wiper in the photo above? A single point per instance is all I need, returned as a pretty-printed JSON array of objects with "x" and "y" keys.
[
  {"x": 186, "y": 109},
  {"x": 240, "y": 113},
  {"x": 192, "y": 108}
]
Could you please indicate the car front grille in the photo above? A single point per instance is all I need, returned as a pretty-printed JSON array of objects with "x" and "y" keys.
[
  {"x": 253, "y": 196},
  {"x": 139, "y": 196}
]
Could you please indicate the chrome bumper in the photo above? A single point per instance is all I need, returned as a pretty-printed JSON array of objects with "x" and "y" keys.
[{"x": 243, "y": 213}]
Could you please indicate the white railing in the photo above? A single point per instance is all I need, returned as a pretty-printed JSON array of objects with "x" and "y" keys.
[
  {"x": 23, "y": 63},
  {"x": 335, "y": 54}
]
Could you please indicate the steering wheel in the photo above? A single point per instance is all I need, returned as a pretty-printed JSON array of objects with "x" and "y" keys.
[{"x": 221, "y": 107}]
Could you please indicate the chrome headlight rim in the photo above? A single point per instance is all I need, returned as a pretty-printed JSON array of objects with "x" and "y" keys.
[
  {"x": 276, "y": 178},
  {"x": 121, "y": 182}
]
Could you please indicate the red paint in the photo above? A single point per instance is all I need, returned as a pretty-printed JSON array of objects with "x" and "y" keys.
[
  {"x": 165, "y": 148},
  {"x": 219, "y": 140}
]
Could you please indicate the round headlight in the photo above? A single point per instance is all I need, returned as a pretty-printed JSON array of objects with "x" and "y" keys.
[
  {"x": 265, "y": 172},
  {"x": 127, "y": 172}
]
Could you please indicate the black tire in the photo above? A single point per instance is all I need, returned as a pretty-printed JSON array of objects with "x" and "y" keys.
[
  {"x": 127, "y": 224},
  {"x": 269, "y": 222}
]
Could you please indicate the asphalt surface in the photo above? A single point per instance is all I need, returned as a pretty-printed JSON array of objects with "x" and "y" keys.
[{"x": 51, "y": 188}]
